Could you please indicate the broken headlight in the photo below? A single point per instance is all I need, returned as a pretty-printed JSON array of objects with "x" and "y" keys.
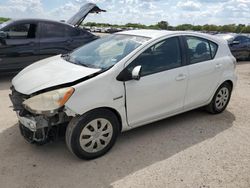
[{"x": 49, "y": 101}]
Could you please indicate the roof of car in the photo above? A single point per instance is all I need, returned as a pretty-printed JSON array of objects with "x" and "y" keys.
[
  {"x": 154, "y": 34},
  {"x": 147, "y": 33},
  {"x": 159, "y": 33},
  {"x": 38, "y": 20}
]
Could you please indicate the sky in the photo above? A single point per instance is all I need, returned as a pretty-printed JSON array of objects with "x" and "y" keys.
[{"x": 147, "y": 12}]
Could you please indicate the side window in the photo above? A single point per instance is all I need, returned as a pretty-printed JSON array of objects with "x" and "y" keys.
[
  {"x": 21, "y": 31},
  {"x": 50, "y": 30},
  {"x": 72, "y": 32},
  {"x": 199, "y": 49},
  {"x": 162, "y": 56},
  {"x": 214, "y": 48}
]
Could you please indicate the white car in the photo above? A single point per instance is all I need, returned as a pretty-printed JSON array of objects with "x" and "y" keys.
[{"x": 120, "y": 82}]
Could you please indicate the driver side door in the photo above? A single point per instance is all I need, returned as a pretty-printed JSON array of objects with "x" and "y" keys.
[
  {"x": 161, "y": 89},
  {"x": 20, "y": 48}
]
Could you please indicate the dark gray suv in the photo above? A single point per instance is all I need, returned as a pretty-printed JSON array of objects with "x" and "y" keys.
[{"x": 25, "y": 41}]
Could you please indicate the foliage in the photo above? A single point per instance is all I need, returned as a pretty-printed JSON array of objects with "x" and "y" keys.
[
  {"x": 241, "y": 28},
  {"x": 3, "y": 19}
]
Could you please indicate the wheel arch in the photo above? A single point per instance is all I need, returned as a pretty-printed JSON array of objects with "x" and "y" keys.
[
  {"x": 114, "y": 111},
  {"x": 230, "y": 82}
]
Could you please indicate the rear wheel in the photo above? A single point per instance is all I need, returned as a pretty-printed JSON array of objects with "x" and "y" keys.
[
  {"x": 93, "y": 134},
  {"x": 221, "y": 99}
]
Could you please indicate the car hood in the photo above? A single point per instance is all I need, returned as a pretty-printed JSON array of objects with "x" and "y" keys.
[
  {"x": 47, "y": 73},
  {"x": 77, "y": 19}
]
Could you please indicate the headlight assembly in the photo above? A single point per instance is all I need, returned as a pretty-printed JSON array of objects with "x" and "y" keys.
[{"x": 49, "y": 101}]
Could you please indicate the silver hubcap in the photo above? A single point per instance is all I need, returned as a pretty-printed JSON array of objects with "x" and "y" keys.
[
  {"x": 96, "y": 135},
  {"x": 222, "y": 98}
]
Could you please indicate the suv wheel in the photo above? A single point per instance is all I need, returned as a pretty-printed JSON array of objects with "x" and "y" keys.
[
  {"x": 221, "y": 99},
  {"x": 93, "y": 134}
]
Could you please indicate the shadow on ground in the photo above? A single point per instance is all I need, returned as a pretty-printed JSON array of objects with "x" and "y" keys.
[{"x": 53, "y": 165}]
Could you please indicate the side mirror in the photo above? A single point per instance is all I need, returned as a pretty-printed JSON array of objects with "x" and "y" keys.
[
  {"x": 136, "y": 73},
  {"x": 3, "y": 35},
  {"x": 235, "y": 42}
]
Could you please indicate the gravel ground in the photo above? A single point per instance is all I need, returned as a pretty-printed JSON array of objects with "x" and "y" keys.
[{"x": 194, "y": 149}]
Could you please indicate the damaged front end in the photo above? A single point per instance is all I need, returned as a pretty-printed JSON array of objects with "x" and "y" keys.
[{"x": 39, "y": 127}]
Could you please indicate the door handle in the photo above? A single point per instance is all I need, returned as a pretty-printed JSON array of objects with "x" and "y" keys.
[
  {"x": 218, "y": 65},
  {"x": 180, "y": 77}
]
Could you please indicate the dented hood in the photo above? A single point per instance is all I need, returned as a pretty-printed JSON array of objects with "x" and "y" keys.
[
  {"x": 77, "y": 19},
  {"x": 47, "y": 73}
]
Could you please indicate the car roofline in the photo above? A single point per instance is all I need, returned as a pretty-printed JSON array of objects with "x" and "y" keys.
[
  {"x": 157, "y": 34},
  {"x": 39, "y": 20}
]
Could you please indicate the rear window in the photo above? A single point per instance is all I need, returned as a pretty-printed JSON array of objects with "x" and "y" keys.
[
  {"x": 214, "y": 48},
  {"x": 50, "y": 30},
  {"x": 200, "y": 50},
  {"x": 71, "y": 31}
]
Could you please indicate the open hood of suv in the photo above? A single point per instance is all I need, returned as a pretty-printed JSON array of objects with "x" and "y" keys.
[
  {"x": 48, "y": 73},
  {"x": 77, "y": 19}
]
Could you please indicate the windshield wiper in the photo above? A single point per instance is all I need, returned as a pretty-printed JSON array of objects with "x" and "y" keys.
[{"x": 68, "y": 58}]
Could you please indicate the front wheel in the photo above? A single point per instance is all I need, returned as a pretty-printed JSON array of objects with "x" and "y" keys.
[
  {"x": 92, "y": 134},
  {"x": 221, "y": 99}
]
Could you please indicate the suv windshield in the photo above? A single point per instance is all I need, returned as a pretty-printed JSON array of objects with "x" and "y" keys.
[
  {"x": 106, "y": 51},
  {"x": 4, "y": 24}
]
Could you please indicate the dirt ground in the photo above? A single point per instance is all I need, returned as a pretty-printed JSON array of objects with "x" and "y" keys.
[{"x": 194, "y": 149}]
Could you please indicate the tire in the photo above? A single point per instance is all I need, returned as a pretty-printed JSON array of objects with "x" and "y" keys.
[
  {"x": 93, "y": 134},
  {"x": 220, "y": 99}
]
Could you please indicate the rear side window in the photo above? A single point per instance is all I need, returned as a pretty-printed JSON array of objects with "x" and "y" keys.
[
  {"x": 200, "y": 49},
  {"x": 50, "y": 30},
  {"x": 71, "y": 32},
  {"x": 21, "y": 31},
  {"x": 214, "y": 48}
]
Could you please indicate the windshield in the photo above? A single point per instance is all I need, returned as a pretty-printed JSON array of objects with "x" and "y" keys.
[
  {"x": 106, "y": 51},
  {"x": 4, "y": 24}
]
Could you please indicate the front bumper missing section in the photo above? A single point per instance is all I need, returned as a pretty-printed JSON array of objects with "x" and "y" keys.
[{"x": 36, "y": 128}]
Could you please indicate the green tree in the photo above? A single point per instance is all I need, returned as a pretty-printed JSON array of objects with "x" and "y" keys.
[
  {"x": 3, "y": 19},
  {"x": 162, "y": 25}
]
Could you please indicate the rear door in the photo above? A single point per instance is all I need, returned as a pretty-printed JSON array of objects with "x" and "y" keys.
[
  {"x": 161, "y": 89},
  {"x": 203, "y": 69},
  {"x": 20, "y": 48}
]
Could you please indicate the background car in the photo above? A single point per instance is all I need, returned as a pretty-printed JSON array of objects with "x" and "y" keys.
[
  {"x": 25, "y": 41},
  {"x": 239, "y": 45}
]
